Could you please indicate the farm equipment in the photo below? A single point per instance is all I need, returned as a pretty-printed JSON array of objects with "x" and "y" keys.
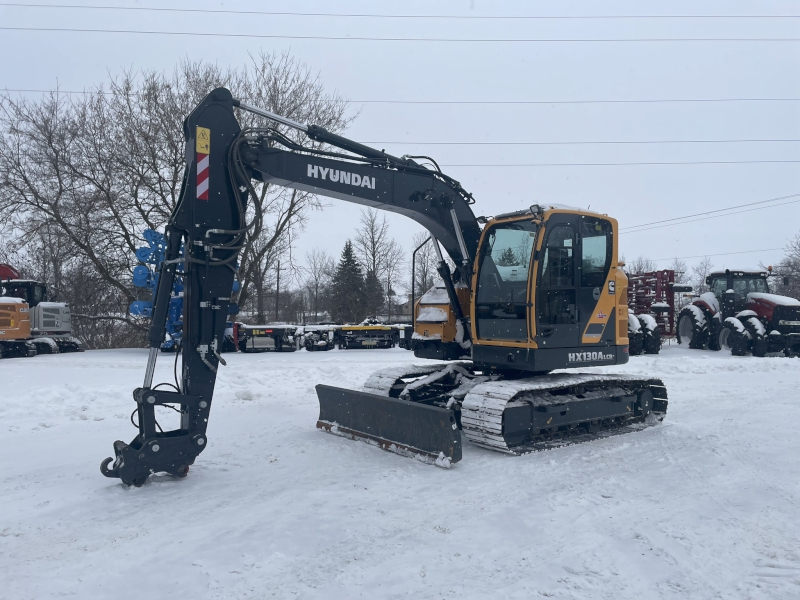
[
  {"x": 49, "y": 323},
  {"x": 264, "y": 338},
  {"x": 532, "y": 291},
  {"x": 741, "y": 315},
  {"x": 319, "y": 338},
  {"x": 651, "y": 314}
]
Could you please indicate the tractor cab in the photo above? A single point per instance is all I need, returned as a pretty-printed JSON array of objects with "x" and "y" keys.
[
  {"x": 32, "y": 292},
  {"x": 732, "y": 287}
]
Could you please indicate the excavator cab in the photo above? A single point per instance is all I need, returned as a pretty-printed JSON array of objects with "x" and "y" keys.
[
  {"x": 546, "y": 288},
  {"x": 32, "y": 292}
]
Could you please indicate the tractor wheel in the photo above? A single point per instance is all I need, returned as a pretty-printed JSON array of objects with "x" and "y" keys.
[
  {"x": 692, "y": 328},
  {"x": 760, "y": 344},
  {"x": 635, "y": 343},
  {"x": 652, "y": 337},
  {"x": 635, "y": 336},
  {"x": 713, "y": 334},
  {"x": 735, "y": 339}
]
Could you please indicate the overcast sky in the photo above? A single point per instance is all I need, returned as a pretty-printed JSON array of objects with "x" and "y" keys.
[{"x": 759, "y": 168}]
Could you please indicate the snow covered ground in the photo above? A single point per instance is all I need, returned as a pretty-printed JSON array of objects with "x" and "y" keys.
[{"x": 705, "y": 505}]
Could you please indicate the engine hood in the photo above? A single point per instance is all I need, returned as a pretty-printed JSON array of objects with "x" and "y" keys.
[{"x": 771, "y": 299}]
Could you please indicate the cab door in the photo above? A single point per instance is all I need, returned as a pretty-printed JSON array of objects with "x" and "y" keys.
[
  {"x": 595, "y": 248},
  {"x": 501, "y": 298},
  {"x": 556, "y": 307}
]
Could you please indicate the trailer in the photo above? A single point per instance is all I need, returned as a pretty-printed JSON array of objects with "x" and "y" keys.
[
  {"x": 266, "y": 338},
  {"x": 366, "y": 336}
]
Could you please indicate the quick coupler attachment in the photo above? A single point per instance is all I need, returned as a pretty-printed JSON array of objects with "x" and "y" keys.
[
  {"x": 154, "y": 451},
  {"x": 420, "y": 431}
]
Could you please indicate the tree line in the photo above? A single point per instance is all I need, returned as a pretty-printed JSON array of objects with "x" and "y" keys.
[{"x": 82, "y": 176}]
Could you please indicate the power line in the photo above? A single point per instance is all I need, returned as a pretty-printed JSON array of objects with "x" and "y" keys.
[
  {"x": 738, "y": 212},
  {"x": 393, "y": 39},
  {"x": 713, "y": 211},
  {"x": 644, "y": 101},
  {"x": 632, "y": 164},
  {"x": 581, "y": 143},
  {"x": 379, "y": 16},
  {"x": 721, "y": 254},
  {"x": 635, "y": 101}
]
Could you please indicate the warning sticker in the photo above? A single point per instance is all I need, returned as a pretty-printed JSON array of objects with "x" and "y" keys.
[{"x": 203, "y": 140}]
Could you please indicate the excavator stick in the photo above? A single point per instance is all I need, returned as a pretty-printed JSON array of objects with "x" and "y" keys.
[{"x": 420, "y": 431}]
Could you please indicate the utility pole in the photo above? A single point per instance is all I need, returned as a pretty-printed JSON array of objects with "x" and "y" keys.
[
  {"x": 388, "y": 297},
  {"x": 277, "y": 292}
]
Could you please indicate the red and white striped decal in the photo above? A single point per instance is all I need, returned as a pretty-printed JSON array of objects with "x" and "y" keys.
[{"x": 202, "y": 176}]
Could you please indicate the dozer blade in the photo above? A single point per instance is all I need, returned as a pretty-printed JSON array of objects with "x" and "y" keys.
[{"x": 426, "y": 433}]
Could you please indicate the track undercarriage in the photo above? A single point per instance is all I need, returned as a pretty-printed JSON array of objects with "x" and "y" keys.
[{"x": 422, "y": 410}]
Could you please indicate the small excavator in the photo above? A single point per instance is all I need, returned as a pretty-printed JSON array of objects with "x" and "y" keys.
[{"x": 532, "y": 291}]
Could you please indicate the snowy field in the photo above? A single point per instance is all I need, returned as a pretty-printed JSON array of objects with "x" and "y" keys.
[{"x": 705, "y": 505}]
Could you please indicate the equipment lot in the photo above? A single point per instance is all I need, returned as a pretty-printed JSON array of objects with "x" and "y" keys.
[{"x": 704, "y": 505}]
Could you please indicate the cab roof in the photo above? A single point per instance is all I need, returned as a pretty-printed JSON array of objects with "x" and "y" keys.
[
  {"x": 739, "y": 272},
  {"x": 545, "y": 208}
]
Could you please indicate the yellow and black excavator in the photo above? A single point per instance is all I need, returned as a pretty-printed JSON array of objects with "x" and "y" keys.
[{"x": 532, "y": 291}]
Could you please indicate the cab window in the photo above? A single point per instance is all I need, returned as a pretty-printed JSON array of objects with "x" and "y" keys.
[
  {"x": 501, "y": 298},
  {"x": 38, "y": 294},
  {"x": 718, "y": 287},
  {"x": 596, "y": 248},
  {"x": 751, "y": 284},
  {"x": 558, "y": 257}
]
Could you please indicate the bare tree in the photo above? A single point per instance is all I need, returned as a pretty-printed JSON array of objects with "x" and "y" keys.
[
  {"x": 394, "y": 265},
  {"x": 425, "y": 274},
  {"x": 789, "y": 268},
  {"x": 642, "y": 264},
  {"x": 91, "y": 172},
  {"x": 700, "y": 271},
  {"x": 681, "y": 270},
  {"x": 372, "y": 241},
  {"x": 319, "y": 271}
]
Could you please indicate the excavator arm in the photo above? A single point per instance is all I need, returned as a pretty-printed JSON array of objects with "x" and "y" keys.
[{"x": 211, "y": 220}]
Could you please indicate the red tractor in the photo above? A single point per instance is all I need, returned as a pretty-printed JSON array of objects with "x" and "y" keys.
[{"x": 741, "y": 315}]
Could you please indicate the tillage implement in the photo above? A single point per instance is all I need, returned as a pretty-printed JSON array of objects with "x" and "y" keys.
[{"x": 532, "y": 291}]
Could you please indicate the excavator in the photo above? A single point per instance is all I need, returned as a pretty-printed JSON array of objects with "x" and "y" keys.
[{"x": 531, "y": 292}]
